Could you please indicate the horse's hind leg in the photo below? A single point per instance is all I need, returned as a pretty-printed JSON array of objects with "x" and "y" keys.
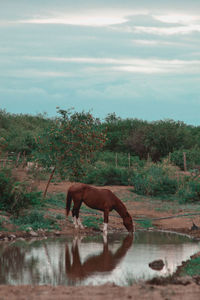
[{"x": 75, "y": 214}]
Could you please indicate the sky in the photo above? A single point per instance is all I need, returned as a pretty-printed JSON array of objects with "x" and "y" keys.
[{"x": 139, "y": 59}]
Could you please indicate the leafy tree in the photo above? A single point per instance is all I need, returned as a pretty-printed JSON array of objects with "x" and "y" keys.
[
  {"x": 17, "y": 132},
  {"x": 69, "y": 142},
  {"x": 118, "y": 132},
  {"x": 158, "y": 138}
]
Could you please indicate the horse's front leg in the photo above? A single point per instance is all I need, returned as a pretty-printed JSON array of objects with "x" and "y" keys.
[{"x": 105, "y": 224}]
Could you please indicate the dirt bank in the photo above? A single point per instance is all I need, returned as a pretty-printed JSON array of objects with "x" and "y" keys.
[{"x": 137, "y": 291}]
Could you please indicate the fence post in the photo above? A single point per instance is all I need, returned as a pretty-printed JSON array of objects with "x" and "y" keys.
[
  {"x": 185, "y": 161},
  {"x": 17, "y": 160},
  {"x": 169, "y": 157},
  {"x": 116, "y": 162},
  {"x": 129, "y": 160}
]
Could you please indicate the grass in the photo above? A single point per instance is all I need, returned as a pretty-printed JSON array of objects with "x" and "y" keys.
[
  {"x": 2, "y": 221},
  {"x": 92, "y": 222},
  {"x": 191, "y": 268},
  {"x": 147, "y": 223},
  {"x": 36, "y": 220},
  {"x": 56, "y": 200}
]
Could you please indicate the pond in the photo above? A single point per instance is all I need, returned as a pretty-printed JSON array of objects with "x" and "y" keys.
[{"x": 88, "y": 260}]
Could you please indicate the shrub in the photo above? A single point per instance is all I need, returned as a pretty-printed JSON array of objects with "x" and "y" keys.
[
  {"x": 109, "y": 158},
  {"x": 154, "y": 180},
  {"x": 14, "y": 195},
  {"x": 191, "y": 268},
  {"x": 192, "y": 157},
  {"x": 102, "y": 174},
  {"x": 35, "y": 220},
  {"x": 2, "y": 220},
  {"x": 189, "y": 190}
]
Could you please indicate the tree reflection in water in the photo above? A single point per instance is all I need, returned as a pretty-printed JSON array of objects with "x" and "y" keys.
[
  {"x": 104, "y": 262},
  {"x": 12, "y": 261}
]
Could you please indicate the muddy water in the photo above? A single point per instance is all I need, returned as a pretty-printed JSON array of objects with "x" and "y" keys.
[{"x": 72, "y": 261}]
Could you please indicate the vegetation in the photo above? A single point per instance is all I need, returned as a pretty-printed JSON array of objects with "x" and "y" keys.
[
  {"x": 35, "y": 220},
  {"x": 14, "y": 195},
  {"x": 20, "y": 134},
  {"x": 192, "y": 155},
  {"x": 189, "y": 189},
  {"x": 191, "y": 268},
  {"x": 154, "y": 180},
  {"x": 116, "y": 151},
  {"x": 69, "y": 143},
  {"x": 102, "y": 174},
  {"x": 147, "y": 223},
  {"x": 92, "y": 222}
]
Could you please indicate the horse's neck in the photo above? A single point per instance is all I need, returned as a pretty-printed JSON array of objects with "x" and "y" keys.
[{"x": 120, "y": 208}]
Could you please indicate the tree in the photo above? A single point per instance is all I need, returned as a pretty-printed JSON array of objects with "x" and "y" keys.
[{"x": 69, "y": 142}]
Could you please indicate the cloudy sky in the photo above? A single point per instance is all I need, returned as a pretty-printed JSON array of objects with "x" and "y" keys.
[{"x": 139, "y": 59}]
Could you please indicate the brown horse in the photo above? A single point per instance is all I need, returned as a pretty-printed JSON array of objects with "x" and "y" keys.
[{"x": 101, "y": 199}]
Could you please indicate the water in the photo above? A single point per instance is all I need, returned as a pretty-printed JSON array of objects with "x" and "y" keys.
[{"x": 72, "y": 261}]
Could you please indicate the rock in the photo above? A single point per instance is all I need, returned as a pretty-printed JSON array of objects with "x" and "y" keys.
[
  {"x": 12, "y": 236},
  {"x": 5, "y": 239},
  {"x": 184, "y": 280},
  {"x": 194, "y": 227},
  {"x": 57, "y": 232},
  {"x": 157, "y": 265},
  {"x": 33, "y": 233},
  {"x": 21, "y": 239},
  {"x": 29, "y": 228}
]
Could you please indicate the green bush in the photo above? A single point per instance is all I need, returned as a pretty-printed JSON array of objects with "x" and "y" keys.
[
  {"x": 2, "y": 220},
  {"x": 14, "y": 195},
  {"x": 191, "y": 268},
  {"x": 154, "y": 180},
  {"x": 192, "y": 158},
  {"x": 189, "y": 190},
  {"x": 35, "y": 220},
  {"x": 102, "y": 174},
  {"x": 122, "y": 159}
]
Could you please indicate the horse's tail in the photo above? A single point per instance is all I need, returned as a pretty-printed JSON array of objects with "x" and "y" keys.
[{"x": 68, "y": 202}]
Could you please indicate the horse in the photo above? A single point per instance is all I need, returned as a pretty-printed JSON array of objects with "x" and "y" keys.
[{"x": 100, "y": 199}]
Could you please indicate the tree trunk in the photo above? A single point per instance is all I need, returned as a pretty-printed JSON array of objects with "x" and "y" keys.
[{"x": 48, "y": 183}]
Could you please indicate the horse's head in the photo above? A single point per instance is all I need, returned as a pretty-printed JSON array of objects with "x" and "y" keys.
[{"x": 128, "y": 222}]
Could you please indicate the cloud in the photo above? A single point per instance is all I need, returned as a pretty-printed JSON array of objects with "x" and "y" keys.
[
  {"x": 177, "y": 18},
  {"x": 93, "y": 18},
  {"x": 134, "y": 65},
  {"x": 33, "y": 73},
  {"x": 83, "y": 15},
  {"x": 165, "y": 30},
  {"x": 95, "y": 21},
  {"x": 155, "y": 43}
]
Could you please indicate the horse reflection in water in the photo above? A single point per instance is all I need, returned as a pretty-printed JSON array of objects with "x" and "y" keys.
[{"x": 106, "y": 261}]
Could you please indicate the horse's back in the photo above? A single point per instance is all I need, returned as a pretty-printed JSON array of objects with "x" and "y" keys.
[
  {"x": 92, "y": 196},
  {"x": 99, "y": 198},
  {"x": 77, "y": 187}
]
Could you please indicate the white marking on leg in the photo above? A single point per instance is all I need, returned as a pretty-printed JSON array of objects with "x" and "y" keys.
[
  {"x": 80, "y": 224},
  {"x": 75, "y": 222},
  {"x": 105, "y": 228}
]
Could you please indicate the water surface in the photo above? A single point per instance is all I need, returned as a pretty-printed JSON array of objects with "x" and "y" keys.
[{"x": 72, "y": 261}]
